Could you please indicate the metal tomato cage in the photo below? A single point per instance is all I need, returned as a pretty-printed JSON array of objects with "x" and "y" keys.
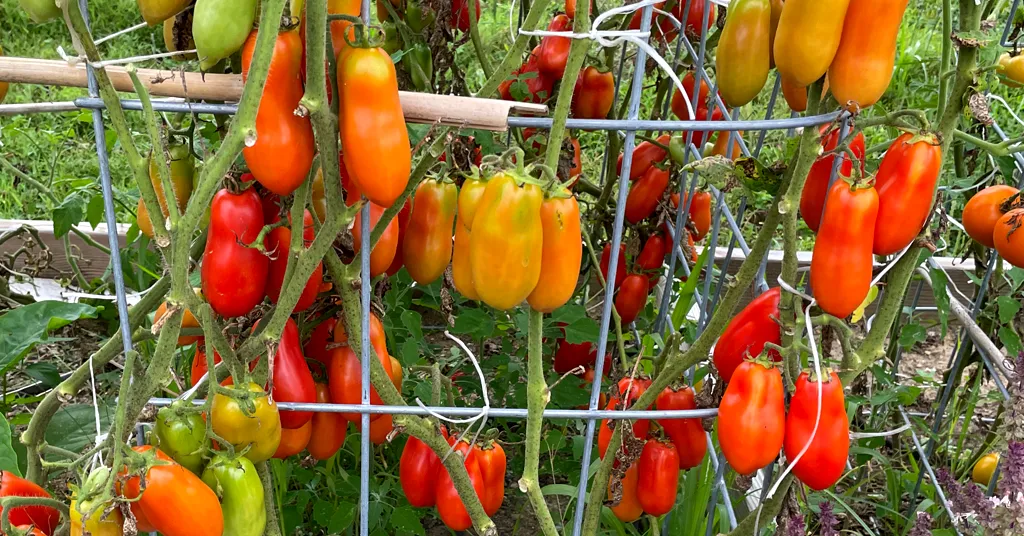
[{"x": 706, "y": 298}]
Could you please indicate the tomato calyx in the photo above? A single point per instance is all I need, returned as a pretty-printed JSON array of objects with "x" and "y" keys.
[
  {"x": 1015, "y": 201},
  {"x": 361, "y": 37}
]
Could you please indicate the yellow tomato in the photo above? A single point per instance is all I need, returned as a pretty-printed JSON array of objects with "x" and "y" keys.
[
  {"x": 260, "y": 430},
  {"x": 983, "y": 470}
]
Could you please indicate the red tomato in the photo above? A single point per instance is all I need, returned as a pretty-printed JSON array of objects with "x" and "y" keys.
[
  {"x": 427, "y": 244},
  {"x": 905, "y": 183},
  {"x": 346, "y": 374},
  {"x": 698, "y": 102},
  {"x": 234, "y": 277},
  {"x": 460, "y": 14},
  {"x": 812, "y": 199},
  {"x": 199, "y": 365},
  {"x": 417, "y": 469},
  {"x": 277, "y": 244},
  {"x": 316, "y": 346},
  {"x": 292, "y": 381},
  {"x": 645, "y": 194},
  {"x": 173, "y": 499},
  {"x": 620, "y": 268},
  {"x": 753, "y": 407},
  {"x": 1009, "y": 239},
  {"x": 983, "y": 211},
  {"x": 283, "y": 153},
  {"x": 632, "y": 298},
  {"x": 383, "y": 253},
  {"x": 539, "y": 88},
  {"x": 293, "y": 440},
  {"x": 841, "y": 264},
  {"x": 650, "y": 259},
  {"x": 43, "y": 517},
  {"x": 554, "y": 51},
  {"x": 403, "y": 222},
  {"x": 493, "y": 464},
  {"x": 825, "y": 459},
  {"x": 687, "y": 434},
  {"x": 644, "y": 156},
  {"x": 594, "y": 94},
  {"x": 328, "y": 428},
  {"x": 658, "y": 477},
  {"x": 628, "y": 508},
  {"x": 449, "y": 505},
  {"x": 748, "y": 332}
]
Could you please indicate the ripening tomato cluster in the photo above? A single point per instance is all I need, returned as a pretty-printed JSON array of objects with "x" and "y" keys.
[
  {"x": 855, "y": 219},
  {"x": 853, "y": 43},
  {"x": 649, "y": 484},
  {"x": 426, "y": 482},
  {"x": 753, "y": 406},
  {"x": 994, "y": 217}
]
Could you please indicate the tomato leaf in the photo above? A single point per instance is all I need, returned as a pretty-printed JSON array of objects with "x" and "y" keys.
[
  {"x": 94, "y": 213},
  {"x": 8, "y": 457},
  {"x": 1010, "y": 339},
  {"x": 22, "y": 328},
  {"x": 582, "y": 330},
  {"x": 407, "y": 520},
  {"x": 44, "y": 372},
  {"x": 1008, "y": 309},
  {"x": 344, "y": 516},
  {"x": 912, "y": 334},
  {"x": 73, "y": 427},
  {"x": 474, "y": 322},
  {"x": 69, "y": 213}
]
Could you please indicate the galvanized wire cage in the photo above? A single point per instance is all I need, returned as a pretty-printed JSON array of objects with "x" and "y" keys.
[{"x": 725, "y": 229}]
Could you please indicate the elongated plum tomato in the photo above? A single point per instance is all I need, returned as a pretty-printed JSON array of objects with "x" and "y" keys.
[
  {"x": 1009, "y": 238},
  {"x": 742, "y": 61},
  {"x": 554, "y": 50},
  {"x": 905, "y": 183},
  {"x": 776, "y": 15},
  {"x": 841, "y": 265},
  {"x": 632, "y": 297},
  {"x": 812, "y": 198},
  {"x": 492, "y": 462},
  {"x": 234, "y": 277},
  {"x": 294, "y": 440},
  {"x": 562, "y": 253},
  {"x": 293, "y": 381},
  {"x": 462, "y": 271},
  {"x": 460, "y": 14},
  {"x": 658, "y": 477},
  {"x": 753, "y": 407},
  {"x": 863, "y": 65},
  {"x": 644, "y": 156},
  {"x": 156, "y": 11},
  {"x": 449, "y": 505},
  {"x": 983, "y": 211},
  {"x": 594, "y": 94},
  {"x": 259, "y": 430},
  {"x": 383, "y": 253},
  {"x": 748, "y": 332},
  {"x": 329, "y": 429},
  {"x": 417, "y": 469},
  {"x": 700, "y": 212},
  {"x": 697, "y": 101},
  {"x": 469, "y": 200},
  {"x": 240, "y": 491},
  {"x": 808, "y": 37},
  {"x": 283, "y": 153},
  {"x": 645, "y": 194},
  {"x": 629, "y": 389},
  {"x": 277, "y": 244},
  {"x": 620, "y": 266},
  {"x": 182, "y": 168},
  {"x": 345, "y": 373},
  {"x": 828, "y": 448},
  {"x": 373, "y": 134},
  {"x": 43, "y": 517},
  {"x": 507, "y": 242},
  {"x": 650, "y": 259},
  {"x": 427, "y": 244},
  {"x": 174, "y": 499},
  {"x": 687, "y": 434},
  {"x": 624, "y": 493},
  {"x": 316, "y": 346},
  {"x": 378, "y": 339}
]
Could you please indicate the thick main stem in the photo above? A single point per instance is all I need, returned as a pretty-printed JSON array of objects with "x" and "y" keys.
[{"x": 537, "y": 396}]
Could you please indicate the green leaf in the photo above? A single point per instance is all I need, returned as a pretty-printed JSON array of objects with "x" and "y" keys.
[
  {"x": 1017, "y": 276},
  {"x": 560, "y": 490},
  {"x": 44, "y": 372},
  {"x": 410, "y": 352},
  {"x": 94, "y": 213},
  {"x": 474, "y": 322},
  {"x": 1008, "y": 308},
  {"x": 858, "y": 313},
  {"x": 68, "y": 214},
  {"x": 939, "y": 281},
  {"x": 322, "y": 512},
  {"x": 73, "y": 427},
  {"x": 8, "y": 457},
  {"x": 912, "y": 334},
  {"x": 413, "y": 321},
  {"x": 22, "y": 328},
  {"x": 908, "y": 394},
  {"x": 568, "y": 313},
  {"x": 582, "y": 330},
  {"x": 344, "y": 516},
  {"x": 408, "y": 520},
  {"x": 1007, "y": 165},
  {"x": 1010, "y": 339}
]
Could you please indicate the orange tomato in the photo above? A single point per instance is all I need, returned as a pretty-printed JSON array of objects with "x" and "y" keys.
[
  {"x": 561, "y": 255},
  {"x": 808, "y": 37},
  {"x": 462, "y": 271},
  {"x": 188, "y": 320},
  {"x": 863, "y": 65},
  {"x": 841, "y": 264},
  {"x": 383, "y": 253},
  {"x": 294, "y": 440},
  {"x": 174, "y": 499},
  {"x": 427, "y": 244},
  {"x": 373, "y": 134},
  {"x": 628, "y": 508},
  {"x": 983, "y": 211},
  {"x": 1009, "y": 239},
  {"x": 328, "y": 433}
]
